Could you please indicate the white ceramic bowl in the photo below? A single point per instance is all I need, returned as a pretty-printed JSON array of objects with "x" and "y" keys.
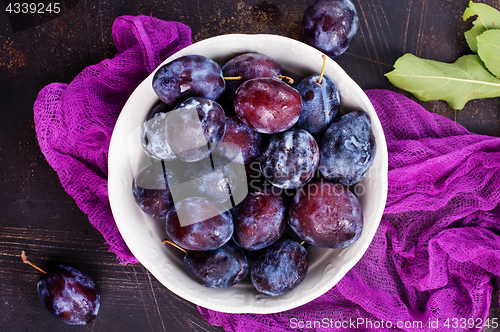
[{"x": 143, "y": 234}]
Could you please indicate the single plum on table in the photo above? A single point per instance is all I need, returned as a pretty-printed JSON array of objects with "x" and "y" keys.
[
  {"x": 188, "y": 76},
  {"x": 247, "y": 66},
  {"x": 194, "y": 128},
  {"x": 267, "y": 105},
  {"x": 330, "y": 25},
  {"x": 70, "y": 295},
  {"x": 289, "y": 159},
  {"x": 347, "y": 148},
  {"x": 326, "y": 214},
  {"x": 219, "y": 268},
  {"x": 280, "y": 268},
  {"x": 195, "y": 223},
  {"x": 259, "y": 220}
]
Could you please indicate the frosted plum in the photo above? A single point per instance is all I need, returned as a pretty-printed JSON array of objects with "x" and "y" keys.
[
  {"x": 70, "y": 295},
  {"x": 280, "y": 268},
  {"x": 196, "y": 223},
  {"x": 267, "y": 105},
  {"x": 212, "y": 178},
  {"x": 248, "y": 66},
  {"x": 188, "y": 76},
  {"x": 240, "y": 143},
  {"x": 289, "y": 159},
  {"x": 220, "y": 268},
  {"x": 326, "y": 214},
  {"x": 153, "y": 139},
  {"x": 259, "y": 220},
  {"x": 348, "y": 148},
  {"x": 151, "y": 190},
  {"x": 320, "y": 100},
  {"x": 194, "y": 128},
  {"x": 330, "y": 25}
]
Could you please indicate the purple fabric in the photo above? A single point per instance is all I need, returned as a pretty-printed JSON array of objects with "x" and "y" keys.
[
  {"x": 438, "y": 244},
  {"x": 74, "y": 122}
]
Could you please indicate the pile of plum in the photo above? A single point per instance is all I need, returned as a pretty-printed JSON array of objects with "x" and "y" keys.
[{"x": 247, "y": 170}]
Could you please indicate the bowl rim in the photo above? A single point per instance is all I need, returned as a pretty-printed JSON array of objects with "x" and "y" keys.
[{"x": 116, "y": 185}]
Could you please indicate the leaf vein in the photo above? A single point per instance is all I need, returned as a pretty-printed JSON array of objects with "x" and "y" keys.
[{"x": 473, "y": 81}]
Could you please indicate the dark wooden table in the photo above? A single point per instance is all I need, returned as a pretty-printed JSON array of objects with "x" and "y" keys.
[{"x": 37, "y": 215}]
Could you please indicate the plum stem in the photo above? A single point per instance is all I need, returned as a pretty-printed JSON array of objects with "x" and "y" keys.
[
  {"x": 234, "y": 78},
  {"x": 174, "y": 245},
  {"x": 289, "y": 79},
  {"x": 322, "y": 69},
  {"x": 25, "y": 260}
]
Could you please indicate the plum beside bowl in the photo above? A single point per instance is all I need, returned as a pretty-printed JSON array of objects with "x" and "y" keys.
[{"x": 143, "y": 234}]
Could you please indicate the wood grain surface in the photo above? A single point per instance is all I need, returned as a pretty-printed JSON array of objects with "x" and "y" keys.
[{"x": 36, "y": 215}]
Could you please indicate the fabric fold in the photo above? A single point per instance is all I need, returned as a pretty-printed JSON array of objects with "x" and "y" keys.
[
  {"x": 74, "y": 122},
  {"x": 437, "y": 249}
]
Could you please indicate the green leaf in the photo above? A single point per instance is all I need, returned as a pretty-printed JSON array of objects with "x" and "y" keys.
[
  {"x": 456, "y": 83},
  {"x": 487, "y": 18},
  {"x": 488, "y": 49}
]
